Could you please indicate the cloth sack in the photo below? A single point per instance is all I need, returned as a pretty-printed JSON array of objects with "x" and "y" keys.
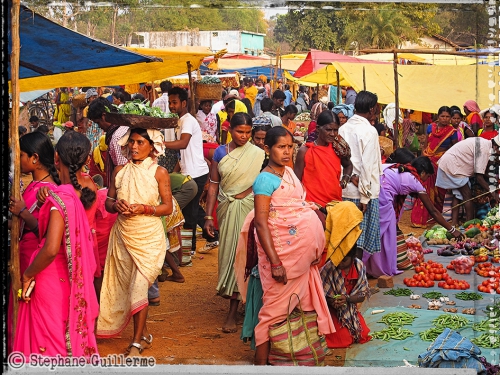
[
  {"x": 403, "y": 262},
  {"x": 295, "y": 342}
]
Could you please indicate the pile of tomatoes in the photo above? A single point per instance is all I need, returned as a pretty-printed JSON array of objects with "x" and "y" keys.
[
  {"x": 491, "y": 285},
  {"x": 486, "y": 269},
  {"x": 480, "y": 258},
  {"x": 450, "y": 283},
  {"x": 425, "y": 275}
]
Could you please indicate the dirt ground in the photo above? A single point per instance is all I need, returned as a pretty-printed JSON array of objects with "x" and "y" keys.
[{"x": 187, "y": 325}]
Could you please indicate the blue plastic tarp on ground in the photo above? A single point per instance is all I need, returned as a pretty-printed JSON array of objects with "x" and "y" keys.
[{"x": 48, "y": 48}]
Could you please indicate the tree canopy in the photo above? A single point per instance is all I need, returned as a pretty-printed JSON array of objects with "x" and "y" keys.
[{"x": 327, "y": 25}]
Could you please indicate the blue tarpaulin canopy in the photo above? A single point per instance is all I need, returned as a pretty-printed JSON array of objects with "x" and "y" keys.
[
  {"x": 48, "y": 48},
  {"x": 253, "y": 72}
]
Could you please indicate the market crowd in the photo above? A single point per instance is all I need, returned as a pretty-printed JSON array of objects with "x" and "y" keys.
[{"x": 300, "y": 193}]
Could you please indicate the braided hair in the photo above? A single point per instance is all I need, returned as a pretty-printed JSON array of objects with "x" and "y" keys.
[
  {"x": 73, "y": 149},
  {"x": 40, "y": 144}
]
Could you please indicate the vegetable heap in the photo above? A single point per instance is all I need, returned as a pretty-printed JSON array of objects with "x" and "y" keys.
[
  {"x": 304, "y": 116},
  {"x": 398, "y": 292},
  {"x": 136, "y": 107},
  {"x": 208, "y": 80},
  {"x": 492, "y": 218}
]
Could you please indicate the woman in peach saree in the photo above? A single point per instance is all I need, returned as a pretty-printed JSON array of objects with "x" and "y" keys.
[{"x": 290, "y": 242}]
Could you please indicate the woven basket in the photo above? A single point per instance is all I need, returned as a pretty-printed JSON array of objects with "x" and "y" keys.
[
  {"x": 144, "y": 122},
  {"x": 208, "y": 91},
  {"x": 79, "y": 101}
]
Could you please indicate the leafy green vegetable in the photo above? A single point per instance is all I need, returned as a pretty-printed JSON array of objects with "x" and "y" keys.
[
  {"x": 209, "y": 80},
  {"x": 136, "y": 107}
]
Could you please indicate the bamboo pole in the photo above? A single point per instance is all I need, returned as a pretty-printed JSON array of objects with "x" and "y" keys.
[
  {"x": 14, "y": 145},
  {"x": 191, "y": 88},
  {"x": 339, "y": 97},
  {"x": 275, "y": 77},
  {"x": 396, "y": 99},
  {"x": 364, "y": 78}
]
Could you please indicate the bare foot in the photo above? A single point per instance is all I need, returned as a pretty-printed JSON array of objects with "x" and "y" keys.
[
  {"x": 133, "y": 352},
  {"x": 230, "y": 326},
  {"x": 175, "y": 278}
]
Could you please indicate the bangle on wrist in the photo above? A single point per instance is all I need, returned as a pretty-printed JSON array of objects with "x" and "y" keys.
[
  {"x": 348, "y": 177},
  {"x": 208, "y": 217},
  {"x": 452, "y": 229},
  {"x": 22, "y": 209},
  {"x": 154, "y": 211},
  {"x": 276, "y": 266}
]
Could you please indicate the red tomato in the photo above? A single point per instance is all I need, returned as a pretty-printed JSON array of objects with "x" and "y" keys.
[
  {"x": 446, "y": 286},
  {"x": 441, "y": 284},
  {"x": 438, "y": 277},
  {"x": 449, "y": 281}
]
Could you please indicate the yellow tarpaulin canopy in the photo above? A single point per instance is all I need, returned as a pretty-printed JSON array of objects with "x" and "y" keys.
[
  {"x": 421, "y": 87},
  {"x": 425, "y": 58},
  {"x": 174, "y": 62},
  {"x": 298, "y": 81}
]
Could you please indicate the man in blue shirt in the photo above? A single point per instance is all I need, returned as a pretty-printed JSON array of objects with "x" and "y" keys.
[{"x": 288, "y": 96}]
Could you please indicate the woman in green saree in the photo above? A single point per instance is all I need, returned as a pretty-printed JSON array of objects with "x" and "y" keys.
[{"x": 232, "y": 172}]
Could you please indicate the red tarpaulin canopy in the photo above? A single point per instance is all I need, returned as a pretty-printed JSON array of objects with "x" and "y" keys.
[{"x": 315, "y": 57}]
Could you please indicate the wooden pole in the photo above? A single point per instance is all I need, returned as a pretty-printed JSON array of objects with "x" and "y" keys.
[
  {"x": 396, "y": 99},
  {"x": 14, "y": 145},
  {"x": 339, "y": 97},
  {"x": 191, "y": 88},
  {"x": 275, "y": 77},
  {"x": 364, "y": 79}
]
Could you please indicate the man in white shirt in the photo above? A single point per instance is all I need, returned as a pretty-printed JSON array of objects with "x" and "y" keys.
[
  {"x": 454, "y": 172},
  {"x": 190, "y": 143},
  {"x": 266, "y": 105},
  {"x": 171, "y": 157},
  {"x": 364, "y": 186}
]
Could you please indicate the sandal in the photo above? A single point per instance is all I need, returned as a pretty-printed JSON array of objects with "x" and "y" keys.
[
  {"x": 135, "y": 345},
  {"x": 148, "y": 341}
]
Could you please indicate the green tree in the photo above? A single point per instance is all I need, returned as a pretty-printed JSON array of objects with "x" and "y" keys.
[
  {"x": 382, "y": 28},
  {"x": 304, "y": 29}
]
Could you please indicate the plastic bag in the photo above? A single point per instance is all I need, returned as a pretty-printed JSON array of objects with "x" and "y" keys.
[
  {"x": 462, "y": 265},
  {"x": 415, "y": 144},
  {"x": 415, "y": 252}
]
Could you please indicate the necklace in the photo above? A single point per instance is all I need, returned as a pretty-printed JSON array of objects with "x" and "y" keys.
[
  {"x": 37, "y": 182},
  {"x": 274, "y": 171}
]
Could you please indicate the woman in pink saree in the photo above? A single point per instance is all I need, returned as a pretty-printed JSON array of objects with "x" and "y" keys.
[
  {"x": 290, "y": 241},
  {"x": 58, "y": 318},
  {"x": 37, "y": 159}
]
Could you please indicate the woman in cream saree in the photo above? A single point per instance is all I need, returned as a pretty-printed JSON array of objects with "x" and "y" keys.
[
  {"x": 232, "y": 173},
  {"x": 137, "y": 242}
]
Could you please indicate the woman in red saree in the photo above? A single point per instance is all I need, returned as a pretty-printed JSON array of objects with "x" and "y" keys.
[
  {"x": 345, "y": 286},
  {"x": 58, "y": 318},
  {"x": 441, "y": 135}
]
